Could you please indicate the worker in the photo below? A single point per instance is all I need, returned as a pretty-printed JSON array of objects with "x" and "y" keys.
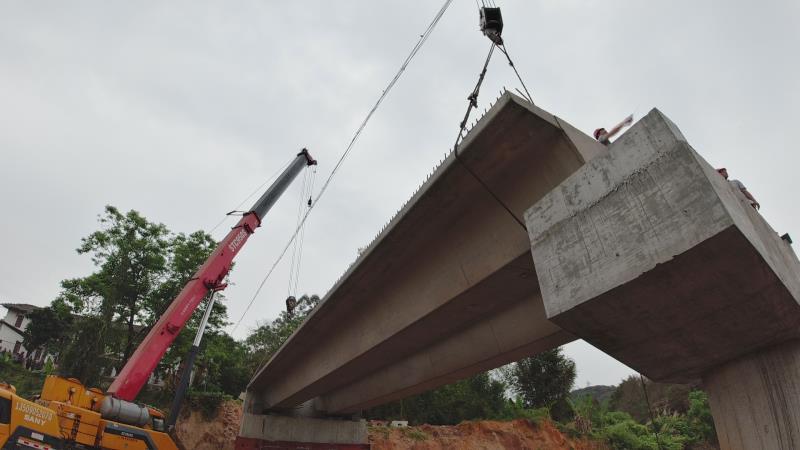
[
  {"x": 604, "y": 136},
  {"x": 291, "y": 304},
  {"x": 740, "y": 186}
]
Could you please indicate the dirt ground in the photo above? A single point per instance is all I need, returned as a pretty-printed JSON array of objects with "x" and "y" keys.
[
  {"x": 197, "y": 433},
  {"x": 479, "y": 435}
]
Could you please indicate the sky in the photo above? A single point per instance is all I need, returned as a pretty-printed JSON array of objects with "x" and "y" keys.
[{"x": 181, "y": 109}]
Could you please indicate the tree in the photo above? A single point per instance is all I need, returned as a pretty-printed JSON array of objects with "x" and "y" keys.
[
  {"x": 268, "y": 337},
  {"x": 140, "y": 267},
  {"x": 130, "y": 253},
  {"x": 542, "y": 380},
  {"x": 49, "y": 329},
  {"x": 476, "y": 398},
  {"x": 222, "y": 365}
]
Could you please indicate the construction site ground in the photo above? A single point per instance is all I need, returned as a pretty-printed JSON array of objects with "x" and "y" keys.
[{"x": 218, "y": 433}]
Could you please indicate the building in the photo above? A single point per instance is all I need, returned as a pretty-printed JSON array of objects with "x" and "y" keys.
[{"x": 12, "y": 329}]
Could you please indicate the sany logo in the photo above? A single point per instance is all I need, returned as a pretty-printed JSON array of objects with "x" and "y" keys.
[
  {"x": 237, "y": 240},
  {"x": 34, "y": 413}
]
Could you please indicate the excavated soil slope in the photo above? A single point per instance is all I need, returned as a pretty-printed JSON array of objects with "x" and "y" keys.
[
  {"x": 197, "y": 433},
  {"x": 483, "y": 435}
]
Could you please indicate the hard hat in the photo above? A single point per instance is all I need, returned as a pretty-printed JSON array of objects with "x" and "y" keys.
[
  {"x": 721, "y": 169},
  {"x": 597, "y": 132}
]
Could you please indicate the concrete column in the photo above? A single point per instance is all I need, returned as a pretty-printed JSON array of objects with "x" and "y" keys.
[{"x": 755, "y": 399}]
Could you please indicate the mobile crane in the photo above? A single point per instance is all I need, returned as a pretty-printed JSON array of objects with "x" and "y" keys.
[{"x": 67, "y": 415}]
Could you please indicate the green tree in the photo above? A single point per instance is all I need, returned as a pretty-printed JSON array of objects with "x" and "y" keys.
[
  {"x": 49, "y": 329},
  {"x": 629, "y": 397},
  {"x": 476, "y": 398},
  {"x": 542, "y": 380},
  {"x": 140, "y": 267},
  {"x": 130, "y": 254},
  {"x": 222, "y": 365},
  {"x": 268, "y": 337}
]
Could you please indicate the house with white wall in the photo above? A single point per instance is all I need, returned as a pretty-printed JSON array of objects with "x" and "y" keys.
[{"x": 12, "y": 329}]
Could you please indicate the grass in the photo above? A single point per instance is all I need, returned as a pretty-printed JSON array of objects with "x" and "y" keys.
[
  {"x": 414, "y": 434},
  {"x": 27, "y": 383}
]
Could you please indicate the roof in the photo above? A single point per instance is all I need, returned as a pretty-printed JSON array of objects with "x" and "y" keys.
[{"x": 21, "y": 307}]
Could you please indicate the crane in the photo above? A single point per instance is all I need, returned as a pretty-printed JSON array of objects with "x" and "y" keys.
[{"x": 68, "y": 415}]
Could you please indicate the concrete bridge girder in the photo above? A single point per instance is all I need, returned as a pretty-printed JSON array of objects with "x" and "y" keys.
[{"x": 454, "y": 264}]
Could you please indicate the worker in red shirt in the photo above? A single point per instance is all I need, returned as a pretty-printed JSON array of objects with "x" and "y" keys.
[
  {"x": 739, "y": 186},
  {"x": 604, "y": 136}
]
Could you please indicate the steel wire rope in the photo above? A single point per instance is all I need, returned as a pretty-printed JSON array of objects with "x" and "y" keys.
[
  {"x": 255, "y": 191},
  {"x": 473, "y": 103},
  {"x": 422, "y": 39},
  {"x": 302, "y": 237},
  {"x": 503, "y": 48},
  {"x": 303, "y": 189}
]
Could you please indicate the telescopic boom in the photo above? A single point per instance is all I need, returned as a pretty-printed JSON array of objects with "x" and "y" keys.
[{"x": 209, "y": 277}]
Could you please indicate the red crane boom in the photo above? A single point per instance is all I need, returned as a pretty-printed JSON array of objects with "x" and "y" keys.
[{"x": 210, "y": 276}]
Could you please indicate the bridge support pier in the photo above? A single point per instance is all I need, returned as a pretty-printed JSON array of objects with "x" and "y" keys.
[
  {"x": 650, "y": 255},
  {"x": 755, "y": 399},
  {"x": 277, "y": 432}
]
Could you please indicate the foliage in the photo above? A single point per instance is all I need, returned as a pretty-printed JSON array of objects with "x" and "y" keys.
[
  {"x": 699, "y": 418},
  {"x": 207, "y": 402},
  {"x": 268, "y": 337},
  {"x": 515, "y": 410},
  {"x": 479, "y": 397},
  {"x": 84, "y": 357},
  {"x": 27, "y": 383},
  {"x": 97, "y": 321},
  {"x": 542, "y": 381},
  {"x": 599, "y": 393},
  {"x": 48, "y": 329},
  {"x": 664, "y": 398},
  {"x": 669, "y": 431},
  {"x": 222, "y": 365},
  {"x": 415, "y": 434}
]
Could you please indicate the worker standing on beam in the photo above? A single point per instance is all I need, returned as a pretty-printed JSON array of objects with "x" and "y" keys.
[
  {"x": 740, "y": 186},
  {"x": 604, "y": 137}
]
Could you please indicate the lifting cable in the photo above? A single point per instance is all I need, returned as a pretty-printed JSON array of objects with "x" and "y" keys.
[
  {"x": 423, "y": 37},
  {"x": 492, "y": 31},
  {"x": 503, "y": 48},
  {"x": 297, "y": 252},
  {"x": 255, "y": 191}
]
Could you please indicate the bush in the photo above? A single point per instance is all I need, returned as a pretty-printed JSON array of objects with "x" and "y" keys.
[
  {"x": 669, "y": 431},
  {"x": 207, "y": 402},
  {"x": 27, "y": 383},
  {"x": 515, "y": 410}
]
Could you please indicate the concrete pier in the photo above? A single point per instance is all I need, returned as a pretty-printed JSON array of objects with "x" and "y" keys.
[
  {"x": 651, "y": 256},
  {"x": 756, "y": 399}
]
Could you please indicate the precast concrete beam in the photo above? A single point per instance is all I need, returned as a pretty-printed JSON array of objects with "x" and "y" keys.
[
  {"x": 651, "y": 256},
  {"x": 520, "y": 330},
  {"x": 439, "y": 268}
]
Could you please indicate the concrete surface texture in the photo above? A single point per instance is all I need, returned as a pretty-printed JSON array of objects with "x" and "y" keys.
[
  {"x": 760, "y": 397},
  {"x": 447, "y": 289},
  {"x": 277, "y": 428},
  {"x": 651, "y": 256}
]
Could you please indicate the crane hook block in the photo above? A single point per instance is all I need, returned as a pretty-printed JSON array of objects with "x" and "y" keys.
[{"x": 492, "y": 24}]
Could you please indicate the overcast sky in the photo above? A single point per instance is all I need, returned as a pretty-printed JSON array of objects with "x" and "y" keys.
[{"x": 180, "y": 109}]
